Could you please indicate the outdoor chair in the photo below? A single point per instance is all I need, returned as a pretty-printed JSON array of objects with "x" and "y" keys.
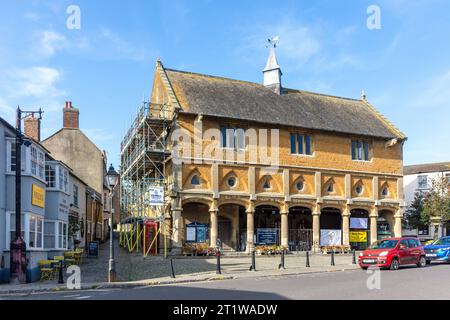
[{"x": 47, "y": 271}]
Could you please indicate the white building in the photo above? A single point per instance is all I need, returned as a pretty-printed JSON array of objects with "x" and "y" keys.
[{"x": 418, "y": 178}]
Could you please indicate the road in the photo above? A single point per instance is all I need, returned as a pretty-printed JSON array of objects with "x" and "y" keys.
[{"x": 431, "y": 282}]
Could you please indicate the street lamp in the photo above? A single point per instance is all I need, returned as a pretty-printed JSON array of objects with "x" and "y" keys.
[
  {"x": 18, "y": 246},
  {"x": 113, "y": 177}
]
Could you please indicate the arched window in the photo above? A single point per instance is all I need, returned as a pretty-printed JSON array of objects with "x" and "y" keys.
[{"x": 195, "y": 181}]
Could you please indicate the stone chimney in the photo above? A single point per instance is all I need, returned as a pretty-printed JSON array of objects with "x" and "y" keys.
[
  {"x": 272, "y": 72},
  {"x": 32, "y": 127},
  {"x": 70, "y": 116}
]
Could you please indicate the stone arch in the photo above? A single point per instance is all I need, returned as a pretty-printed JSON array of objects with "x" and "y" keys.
[
  {"x": 238, "y": 202},
  {"x": 232, "y": 224},
  {"x": 360, "y": 226},
  {"x": 277, "y": 204},
  {"x": 196, "y": 199},
  {"x": 386, "y": 222}
]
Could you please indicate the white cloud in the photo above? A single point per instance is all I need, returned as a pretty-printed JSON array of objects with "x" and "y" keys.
[
  {"x": 34, "y": 82},
  {"x": 50, "y": 42}
]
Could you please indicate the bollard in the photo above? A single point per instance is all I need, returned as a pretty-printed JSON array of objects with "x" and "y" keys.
[
  {"x": 172, "y": 272},
  {"x": 354, "y": 257},
  {"x": 332, "y": 258},
  {"x": 281, "y": 265},
  {"x": 218, "y": 271},
  {"x": 307, "y": 259},
  {"x": 60, "y": 278},
  {"x": 253, "y": 266}
]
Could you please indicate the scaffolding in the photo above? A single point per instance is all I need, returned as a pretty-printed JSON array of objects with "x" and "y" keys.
[{"x": 144, "y": 153}]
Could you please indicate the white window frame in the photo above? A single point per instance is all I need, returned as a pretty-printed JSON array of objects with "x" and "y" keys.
[
  {"x": 57, "y": 235},
  {"x": 26, "y": 217},
  {"x": 419, "y": 185}
]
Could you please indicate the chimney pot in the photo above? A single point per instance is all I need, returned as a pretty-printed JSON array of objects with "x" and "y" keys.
[{"x": 70, "y": 116}]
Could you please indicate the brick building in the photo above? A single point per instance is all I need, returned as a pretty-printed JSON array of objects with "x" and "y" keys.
[{"x": 273, "y": 165}]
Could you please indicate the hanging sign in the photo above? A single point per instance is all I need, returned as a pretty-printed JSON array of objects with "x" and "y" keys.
[
  {"x": 37, "y": 196},
  {"x": 330, "y": 237},
  {"x": 156, "y": 196}
]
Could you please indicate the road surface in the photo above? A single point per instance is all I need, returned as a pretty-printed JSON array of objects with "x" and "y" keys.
[{"x": 431, "y": 282}]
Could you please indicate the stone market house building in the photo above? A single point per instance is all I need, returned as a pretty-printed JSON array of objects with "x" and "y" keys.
[
  {"x": 339, "y": 164},
  {"x": 418, "y": 178}
]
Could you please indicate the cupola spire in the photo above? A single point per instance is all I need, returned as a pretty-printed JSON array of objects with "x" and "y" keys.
[{"x": 272, "y": 71}]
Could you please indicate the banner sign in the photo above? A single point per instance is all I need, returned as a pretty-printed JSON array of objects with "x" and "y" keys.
[
  {"x": 358, "y": 236},
  {"x": 37, "y": 196},
  {"x": 266, "y": 236},
  {"x": 330, "y": 237},
  {"x": 156, "y": 196},
  {"x": 359, "y": 223}
]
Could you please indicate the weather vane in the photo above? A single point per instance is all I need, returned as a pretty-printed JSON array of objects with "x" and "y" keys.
[{"x": 273, "y": 42}]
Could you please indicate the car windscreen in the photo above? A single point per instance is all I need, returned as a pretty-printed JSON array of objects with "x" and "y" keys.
[
  {"x": 442, "y": 242},
  {"x": 384, "y": 244}
]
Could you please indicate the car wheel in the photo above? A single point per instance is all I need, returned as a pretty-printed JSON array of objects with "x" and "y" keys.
[
  {"x": 422, "y": 262},
  {"x": 394, "y": 264}
]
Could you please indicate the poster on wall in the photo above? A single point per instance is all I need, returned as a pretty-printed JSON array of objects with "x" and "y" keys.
[
  {"x": 190, "y": 234},
  {"x": 359, "y": 223},
  {"x": 156, "y": 196},
  {"x": 330, "y": 237},
  {"x": 266, "y": 236},
  {"x": 358, "y": 236}
]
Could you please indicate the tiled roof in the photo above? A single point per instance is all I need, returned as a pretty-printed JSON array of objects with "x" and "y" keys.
[
  {"x": 228, "y": 98},
  {"x": 426, "y": 168}
]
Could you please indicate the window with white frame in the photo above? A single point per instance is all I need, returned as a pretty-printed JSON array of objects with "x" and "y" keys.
[
  {"x": 55, "y": 234},
  {"x": 12, "y": 156},
  {"x": 32, "y": 232},
  {"x": 75, "y": 196},
  {"x": 422, "y": 182},
  {"x": 50, "y": 175}
]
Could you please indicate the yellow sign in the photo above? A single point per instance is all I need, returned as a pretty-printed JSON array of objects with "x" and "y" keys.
[
  {"x": 37, "y": 196},
  {"x": 358, "y": 236}
]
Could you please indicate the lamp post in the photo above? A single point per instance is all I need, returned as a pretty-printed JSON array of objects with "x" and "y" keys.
[
  {"x": 113, "y": 178},
  {"x": 18, "y": 245}
]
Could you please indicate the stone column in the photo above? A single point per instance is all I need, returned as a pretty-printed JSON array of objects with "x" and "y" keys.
[
  {"x": 373, "y": 225},
  {"x": 316, "y": 230},
  {"x": 250, "y": 231},
  {"x": 284, "y": 229},
  {"x": 177, "y": 227},
  {"x": 346, "y": 227},
  {"x": 398, "y": 223},
  {"x": 214, "y": 225}
]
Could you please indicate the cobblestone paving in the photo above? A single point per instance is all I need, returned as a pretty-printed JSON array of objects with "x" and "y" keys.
[{"x": 133, "y": 267}]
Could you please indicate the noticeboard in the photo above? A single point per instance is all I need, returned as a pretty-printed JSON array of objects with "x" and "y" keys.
[
  {"x": 196, "y": 232},
  {"x": 266, "y": 236},
  {"x": 93, "y": 249}
]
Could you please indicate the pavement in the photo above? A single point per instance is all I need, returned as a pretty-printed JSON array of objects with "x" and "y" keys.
[
  {"x": 135, "y": 271},
  {"x": 406, "y": 283}
]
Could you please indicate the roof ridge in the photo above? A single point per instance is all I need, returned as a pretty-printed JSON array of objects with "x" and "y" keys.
[
  {"x": 427, "y": 164},
  {"x": 323, "y": 94},
  {"x": 214, "y": 76}
]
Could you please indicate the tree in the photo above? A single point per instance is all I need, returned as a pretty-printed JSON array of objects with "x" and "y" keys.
[
  {"x": 436, "y": 208},
  {"x": 415, "y": 211}
]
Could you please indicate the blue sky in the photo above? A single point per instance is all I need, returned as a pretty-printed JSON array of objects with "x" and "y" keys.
[{"x": 106, "y": 67}]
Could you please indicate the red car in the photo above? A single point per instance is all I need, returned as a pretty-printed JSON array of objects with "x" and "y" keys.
[{"x": 392, "y": 253}]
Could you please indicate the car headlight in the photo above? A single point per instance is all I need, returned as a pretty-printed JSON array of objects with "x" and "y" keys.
[
  {"x": 444, "y": 249},
  {"x": 384, "y": 254},
  {"x": 361, "y": 254}
]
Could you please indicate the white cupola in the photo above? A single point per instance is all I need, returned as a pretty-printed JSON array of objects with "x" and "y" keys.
[{"x": 272, "y": 72}]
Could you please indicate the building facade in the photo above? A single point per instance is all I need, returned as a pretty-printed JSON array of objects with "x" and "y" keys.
[
  {"x": 417, "y": 179},
  {"x": 256, "y": 164},
  {"x": 87, "y": 161}
]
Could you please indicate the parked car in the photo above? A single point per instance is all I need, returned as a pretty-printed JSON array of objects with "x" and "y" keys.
[
  {"x": 392, "y": 253},
  {"x": 439, "y": 250}
]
